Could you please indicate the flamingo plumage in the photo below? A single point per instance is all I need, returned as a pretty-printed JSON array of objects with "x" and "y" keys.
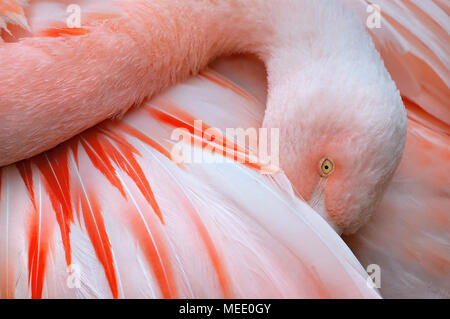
[
  {"x": 409, "y": 234},
  {"x": 111, "y": 200}
]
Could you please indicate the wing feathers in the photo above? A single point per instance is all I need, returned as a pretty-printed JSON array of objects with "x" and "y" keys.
[{"x": 139, "y": 225}]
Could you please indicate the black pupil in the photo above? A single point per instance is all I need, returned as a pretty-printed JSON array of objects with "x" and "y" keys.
[{"x": 326, "y": 166}]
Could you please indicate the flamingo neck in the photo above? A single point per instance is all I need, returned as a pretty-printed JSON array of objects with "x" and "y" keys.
[
  {"x": 120, "y": 62},
  {"x": 182, "y": 37}
]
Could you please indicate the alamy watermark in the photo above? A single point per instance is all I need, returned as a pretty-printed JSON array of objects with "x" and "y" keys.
[
  {"x": 374, "y": 18},
  {"x": 74, "y": 276},
  {"x": 74, "y": 18},
  {"x": 374, "y": 278},
  {"x": 249, "y": 145}
]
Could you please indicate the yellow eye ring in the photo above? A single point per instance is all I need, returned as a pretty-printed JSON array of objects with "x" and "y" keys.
[{"x": 326, "y": 167}]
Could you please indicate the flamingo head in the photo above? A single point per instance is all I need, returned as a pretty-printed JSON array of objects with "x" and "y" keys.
[{"x": 341, "y": 140}]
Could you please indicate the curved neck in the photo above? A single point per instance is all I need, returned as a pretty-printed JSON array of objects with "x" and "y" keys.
[
  {"x": 182, "y": 37},
  {"x": 120, "y": 62},
  {"x": 292, "y": 37}
]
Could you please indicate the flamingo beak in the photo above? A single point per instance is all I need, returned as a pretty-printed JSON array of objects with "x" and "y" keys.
[{"x": 317, "y": 202}]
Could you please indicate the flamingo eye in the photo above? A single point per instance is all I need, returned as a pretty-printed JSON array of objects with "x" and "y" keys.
[{"x": 326, "y": 167}]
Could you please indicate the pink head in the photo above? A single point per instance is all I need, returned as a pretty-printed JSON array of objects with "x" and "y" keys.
[{"x": 342, "y": 134}]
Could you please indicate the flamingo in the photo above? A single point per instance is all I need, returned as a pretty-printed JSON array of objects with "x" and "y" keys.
[{"x": 111, "y": 203}]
